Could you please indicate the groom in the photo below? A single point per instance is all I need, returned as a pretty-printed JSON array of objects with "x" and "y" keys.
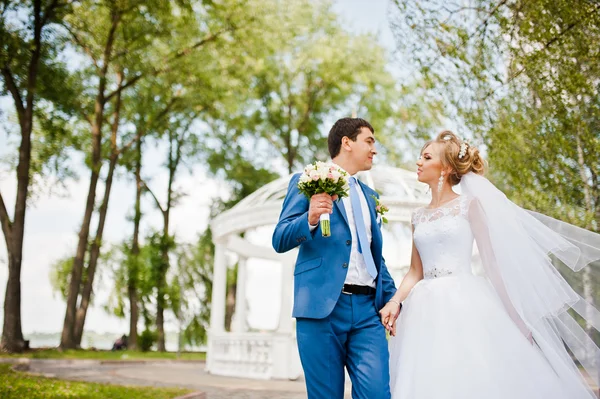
[{"x": 341, "y": 281}]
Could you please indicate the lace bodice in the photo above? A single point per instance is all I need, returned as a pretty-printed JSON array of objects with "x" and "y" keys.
[{"x": 444, "y": 238}]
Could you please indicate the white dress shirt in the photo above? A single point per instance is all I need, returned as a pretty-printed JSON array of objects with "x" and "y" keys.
[{"x": 357, "y": 268}]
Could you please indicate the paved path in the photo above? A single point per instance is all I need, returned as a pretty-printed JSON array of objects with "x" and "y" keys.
[{"x": 171, "y": 373}]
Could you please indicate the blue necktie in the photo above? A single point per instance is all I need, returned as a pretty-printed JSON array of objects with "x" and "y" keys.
[{"x": 364, "y": 247}]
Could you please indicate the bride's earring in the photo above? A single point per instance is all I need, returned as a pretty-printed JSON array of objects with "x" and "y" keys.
[{"x": 441, "y": 182}]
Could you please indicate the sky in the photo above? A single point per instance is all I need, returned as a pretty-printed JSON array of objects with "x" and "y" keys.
[{"x": 53, "y": 221}]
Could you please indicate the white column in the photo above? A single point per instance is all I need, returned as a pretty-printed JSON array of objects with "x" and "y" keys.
[
  {"x": 287, "y": 293},
  {"x": 217, "y": 312},
  {"x": 286, "y": 360},
  {"x": 239, "y": 317}
]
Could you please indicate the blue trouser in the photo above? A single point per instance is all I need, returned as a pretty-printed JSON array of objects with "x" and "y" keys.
[{"x": 351, "y": 336}]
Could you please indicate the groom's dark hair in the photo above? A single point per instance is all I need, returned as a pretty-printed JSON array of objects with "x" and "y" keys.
[{"x": 349, "y": 127}]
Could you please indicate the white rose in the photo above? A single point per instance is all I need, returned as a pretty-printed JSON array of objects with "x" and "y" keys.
[
  {"x": 304, "y": 178},
  {"x": 336, "y": 175},
  {"x": 323, "y": 172}
]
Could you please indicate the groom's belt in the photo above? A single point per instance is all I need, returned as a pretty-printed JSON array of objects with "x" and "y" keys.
[{"x": 358, "y": 289}]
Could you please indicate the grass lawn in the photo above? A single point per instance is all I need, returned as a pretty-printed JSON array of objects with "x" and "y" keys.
[
  {"x": 16, "y": 385},
  {"x": 105, "y": 355}
]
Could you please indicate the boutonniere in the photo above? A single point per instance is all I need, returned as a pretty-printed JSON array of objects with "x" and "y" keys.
[{"x": 380, "y": 209}]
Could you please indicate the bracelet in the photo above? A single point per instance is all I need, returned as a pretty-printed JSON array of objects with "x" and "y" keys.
[{"x": 397, "y": 303}]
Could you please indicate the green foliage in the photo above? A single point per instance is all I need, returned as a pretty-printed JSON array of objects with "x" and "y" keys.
[
  {"x": 315, "y": 71},
  {"x": 241, "y": 174},
  {"x": 122, "y": 267},
  {"x": 60, "y": 273},
  {"x": 548, "y": 161},
  {"x": 195, "y": 271},
  {"x": 16, "y": 385},
  {"x": 188, "y": 288},
  {"x": 523, "y": 77},
  {"x": 54, "y": 94},
  {"x": 146, "y": 339}
]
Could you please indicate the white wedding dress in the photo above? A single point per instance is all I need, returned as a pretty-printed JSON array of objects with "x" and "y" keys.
[{"x": 455, "y": 339}]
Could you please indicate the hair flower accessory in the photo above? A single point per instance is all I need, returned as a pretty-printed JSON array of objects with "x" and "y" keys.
[{"x": 463, "y": 149}]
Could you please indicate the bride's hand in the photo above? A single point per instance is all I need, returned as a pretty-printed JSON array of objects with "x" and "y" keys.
[{"x": 389, "y": 313}]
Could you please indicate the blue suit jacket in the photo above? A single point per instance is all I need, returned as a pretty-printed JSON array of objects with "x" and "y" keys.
[{"x": 322, "y": 262}]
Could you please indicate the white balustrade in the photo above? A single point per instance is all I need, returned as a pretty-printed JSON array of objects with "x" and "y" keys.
[{"x": 254, "y": 355}]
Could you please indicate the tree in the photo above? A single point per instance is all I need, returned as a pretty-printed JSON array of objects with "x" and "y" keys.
[
  {"x": 193, "y": 292},
  {"x": 133, "y": 264},
  {"x": 129, "y": 47},
  {"x": 188, "y": 289},
  {"x": 105, "y": 32},
  {"x": 523, "y": 76},
  {"x": 119, "y": 261},
  {"x": 26, "y": 48},
  {"x": 148, "y": 115},
  {"x": 317, "y": 69},
  {"x": 177, "y": 136}
]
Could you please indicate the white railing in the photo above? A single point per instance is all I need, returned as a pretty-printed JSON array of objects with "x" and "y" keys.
[{"x": 253, "y": 355}]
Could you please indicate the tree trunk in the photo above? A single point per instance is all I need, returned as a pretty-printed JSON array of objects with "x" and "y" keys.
[
  {"x": 289, "y": 155},
  {"x": 93, "y": 259},
  {"x": 175, "y": 143},
  {"x": 160, "y": 289},
  {"x": 162, "y": 282},
  {"x": 230, "y": 304},
  {"x": 12, "y": 332},
  {"x": 12, "y": 335},
  {"x": 160, "y": 325},
  {"x": 133, "y": 318},
  {"x": 68, "y": 334},
  {"x": 133, "y": 271},
  {"x": 97, "y": 243}
]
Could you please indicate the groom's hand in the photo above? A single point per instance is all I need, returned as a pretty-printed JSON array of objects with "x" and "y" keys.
[{"x": 319, "y": 204}]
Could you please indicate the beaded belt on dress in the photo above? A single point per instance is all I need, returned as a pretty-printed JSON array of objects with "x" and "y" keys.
[{"x": 435, "y": 273}]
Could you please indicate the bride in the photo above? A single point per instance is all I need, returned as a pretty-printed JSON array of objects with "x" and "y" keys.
[{"x": 505, "y": 336}]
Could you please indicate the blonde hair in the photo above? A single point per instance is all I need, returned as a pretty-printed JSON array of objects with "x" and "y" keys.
[{"x": 471, "y": 161}]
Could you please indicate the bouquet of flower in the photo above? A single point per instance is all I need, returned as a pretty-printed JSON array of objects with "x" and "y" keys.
[{"x": 323, "y": 177}]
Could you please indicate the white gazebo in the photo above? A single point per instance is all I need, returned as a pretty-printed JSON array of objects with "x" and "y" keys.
[{"x": 274, "y": 354}]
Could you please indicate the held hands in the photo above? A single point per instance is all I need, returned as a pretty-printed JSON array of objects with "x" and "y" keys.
[
  {"x": 320, "y": 204},
  {"x": 389, "y": 314}
]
